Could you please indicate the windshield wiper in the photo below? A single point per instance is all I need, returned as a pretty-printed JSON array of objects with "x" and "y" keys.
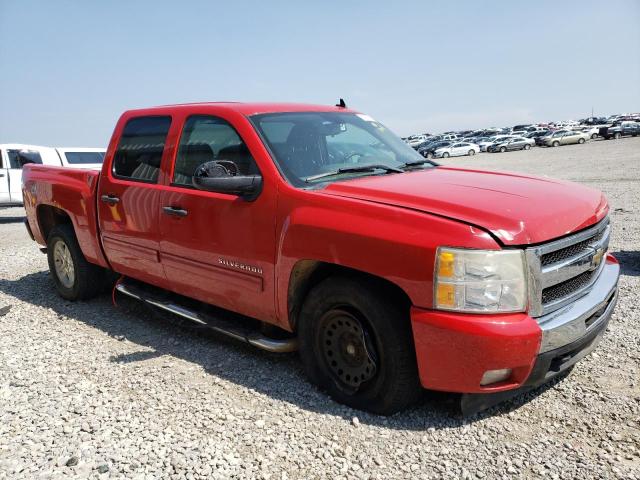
[
  {"x": 354, "y": 169},
  {"x": 416, "y": 163}
]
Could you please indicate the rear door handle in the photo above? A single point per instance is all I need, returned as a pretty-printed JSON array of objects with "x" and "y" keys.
[
  {"x": 110, "y": 199},
  {"x": 175, "y": 211}
]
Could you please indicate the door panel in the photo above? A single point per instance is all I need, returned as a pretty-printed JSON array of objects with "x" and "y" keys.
[
  {"x": 221, "y": 249},
  {"x": 129, "y": 200},
  {"x": 15, "y": 184}
]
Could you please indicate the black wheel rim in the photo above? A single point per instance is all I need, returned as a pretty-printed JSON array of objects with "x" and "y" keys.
[{"x": 347, "y": 349}]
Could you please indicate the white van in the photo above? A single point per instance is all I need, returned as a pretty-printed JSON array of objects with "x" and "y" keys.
[{"x": 13, "y": 156}]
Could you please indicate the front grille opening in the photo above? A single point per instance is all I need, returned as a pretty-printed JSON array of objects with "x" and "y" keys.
[
  {"x": 567, "y": 288},
  {"x": 570, "y": 251}
]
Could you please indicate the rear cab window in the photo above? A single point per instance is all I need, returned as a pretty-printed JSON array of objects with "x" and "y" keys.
[
  {"x": 139, "y": 152},
  {"x": 84, "y": 158}
]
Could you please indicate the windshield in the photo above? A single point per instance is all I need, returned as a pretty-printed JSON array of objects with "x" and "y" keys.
[
  {"x": 84, "y": 157},
  {"x": 308, "y": 144}
]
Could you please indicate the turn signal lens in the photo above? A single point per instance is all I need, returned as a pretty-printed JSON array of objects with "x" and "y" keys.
[
  {"x": 446, "y": 295},
  {"x": 445, "y": 264}
]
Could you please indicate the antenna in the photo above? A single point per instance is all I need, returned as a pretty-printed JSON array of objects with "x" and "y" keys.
[{"x": 341, "y": 104}]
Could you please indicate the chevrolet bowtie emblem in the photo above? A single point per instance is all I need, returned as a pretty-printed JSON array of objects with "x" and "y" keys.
[{"x": 596, "y": 260}]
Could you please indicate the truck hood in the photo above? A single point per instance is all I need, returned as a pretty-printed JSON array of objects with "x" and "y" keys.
[{"x": 517, "y": 209}]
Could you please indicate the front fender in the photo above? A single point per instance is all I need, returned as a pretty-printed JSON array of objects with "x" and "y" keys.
[{"x": 393, "y": 243}]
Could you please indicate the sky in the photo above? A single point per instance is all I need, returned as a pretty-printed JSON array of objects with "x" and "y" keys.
[{"x": 68, "y": 69}]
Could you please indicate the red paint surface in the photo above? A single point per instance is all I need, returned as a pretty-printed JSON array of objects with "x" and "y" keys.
[
  {"x": 388, "y": 226},
  {"x": 454, "y": 350}
]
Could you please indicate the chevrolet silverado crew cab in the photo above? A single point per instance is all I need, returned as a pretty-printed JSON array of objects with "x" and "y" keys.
[{"x": 313, "y": 228}]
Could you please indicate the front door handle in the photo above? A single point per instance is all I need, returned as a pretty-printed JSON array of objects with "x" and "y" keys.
[
  {"x": 110, "y": 199},
  {"x": 175, "y": 211}
]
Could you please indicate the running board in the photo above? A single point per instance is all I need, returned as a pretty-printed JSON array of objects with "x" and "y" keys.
[{"x": 226, "y": 327}]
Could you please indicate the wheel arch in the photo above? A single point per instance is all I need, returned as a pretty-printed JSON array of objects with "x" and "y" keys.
[
  {"x": 308, "y": 273},
  {"x": 49, "y": 216}
]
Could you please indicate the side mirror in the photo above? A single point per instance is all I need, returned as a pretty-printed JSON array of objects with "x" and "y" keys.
[{"x": 221, "y": 176}]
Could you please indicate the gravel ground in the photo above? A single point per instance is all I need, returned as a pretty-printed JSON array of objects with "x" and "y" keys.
[{"x": 93, "y": 390}]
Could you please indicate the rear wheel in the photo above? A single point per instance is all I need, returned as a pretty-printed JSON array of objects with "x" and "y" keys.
[
  {"x": 445, "y": 155},
  {"x": 581, "y": 141},
  {"x": 357, "y": 345},
  {"x": 556, "y": 144},
  {"x": 75, "y": 278},
  {"x": 503, "y": 149},
  {"x": 617, "y": 135},
  {"x": 527, "y": 146}
]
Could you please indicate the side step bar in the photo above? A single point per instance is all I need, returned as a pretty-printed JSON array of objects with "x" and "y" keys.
[{"x": 220, "y": 325}]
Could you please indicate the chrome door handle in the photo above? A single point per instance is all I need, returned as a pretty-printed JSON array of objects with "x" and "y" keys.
[
  {"x": 110, "y": 199},
  {"x": 175, "y": 211}
]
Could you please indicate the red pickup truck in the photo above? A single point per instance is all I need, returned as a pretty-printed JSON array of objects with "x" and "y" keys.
[{"x": 314, "y": 228}]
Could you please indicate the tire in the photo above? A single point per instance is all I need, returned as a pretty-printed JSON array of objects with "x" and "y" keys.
[
  {"x": 445, "y": 155},
  {"x": 617, "y": 135},
  {"x": 527, "y": 146},
  {"x": 430, "y": 155},
  {"x": 581, "y": 141},
  {"x": 503, "y": 149},
  {"x": 75, "y": 278},
  {"x": 472, "y": 153},
  {"x": 594, "y": 136},
  {"x": 381, "y": 340},
  {"x": 555, "y": 144}
]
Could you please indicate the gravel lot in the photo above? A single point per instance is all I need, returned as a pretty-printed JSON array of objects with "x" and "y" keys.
[{"x": 91, "y": 390}]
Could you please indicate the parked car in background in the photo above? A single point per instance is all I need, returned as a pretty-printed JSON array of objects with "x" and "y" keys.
[
  {"x": 457, "y": 149},
  {"x": 91, "y": 158},
  {"x": 622, "y": 129},
  {"x": 491, "y": 140},
  {"x": 428, "y": 150},
  {"x": 13, "y": 156},
  {"x": 537, "y": 134},
  {"x": 510, "y": 144},
  {"x": 565, "y": 138},
  {"x": 415, "y": 140},
  {"x": 541, "y": 141}
]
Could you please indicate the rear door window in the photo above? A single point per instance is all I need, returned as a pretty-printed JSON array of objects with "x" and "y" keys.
[{"x": 139, "y": 152}]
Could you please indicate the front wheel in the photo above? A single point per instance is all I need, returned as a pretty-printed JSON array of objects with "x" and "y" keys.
[
  {"x": 445, "y": 155},
  {"x": 75, "y": 278},
  {"x": 356, "y": 343},
  {"x": 581, "y": 141},
  {"x": 556, "y": 144},
  {"x": 594, "y": 136},
  {"x": 527, "y": 146},
  {"x": 503, "y": 149},
  {"x": 472, "y": 152}
]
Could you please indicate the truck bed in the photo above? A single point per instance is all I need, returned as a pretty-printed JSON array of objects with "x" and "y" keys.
[{"x": 50, "y": 191}]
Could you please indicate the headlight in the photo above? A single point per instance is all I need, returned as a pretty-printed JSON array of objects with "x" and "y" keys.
[{"x": 480, "y": 280}]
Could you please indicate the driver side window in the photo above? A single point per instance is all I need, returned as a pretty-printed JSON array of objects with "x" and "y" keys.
[{"x": 206, "y": 138}]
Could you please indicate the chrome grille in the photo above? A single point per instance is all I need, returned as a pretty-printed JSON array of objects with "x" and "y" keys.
[
  {"x": 563, "y": 270},
  {"x": 565, "y": 289}
]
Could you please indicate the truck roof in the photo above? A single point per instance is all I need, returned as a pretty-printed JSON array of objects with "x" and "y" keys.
[{"x": 242, "y": 108}]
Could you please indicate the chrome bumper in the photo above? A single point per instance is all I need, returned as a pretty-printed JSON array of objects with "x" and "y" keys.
[{"x": 574, "y": 321}]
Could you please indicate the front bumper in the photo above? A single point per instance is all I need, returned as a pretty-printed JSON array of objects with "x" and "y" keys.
[{"x": 454, "y": 350}]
